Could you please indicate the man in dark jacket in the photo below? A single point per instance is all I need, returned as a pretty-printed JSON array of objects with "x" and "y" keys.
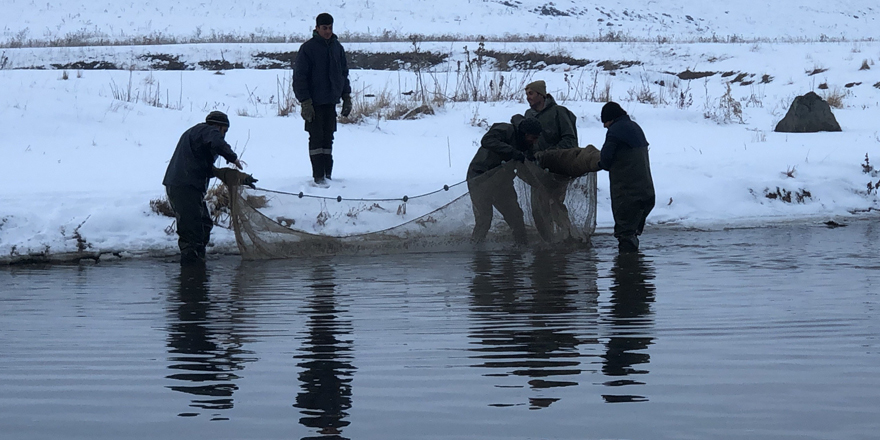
[
  {"x": 320, "y": 79},
  {"x": 625, "y": 156},
  {"x": 491, "y": 173},
  {"x": 548, "y": 190},
  {"x": 186, "y": 182}
]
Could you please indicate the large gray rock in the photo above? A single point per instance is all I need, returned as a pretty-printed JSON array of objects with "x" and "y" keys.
[{"x": 808, "y": 114}]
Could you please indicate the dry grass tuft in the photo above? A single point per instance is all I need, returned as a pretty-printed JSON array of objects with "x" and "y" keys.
[
  {"x": 799, "y": 196},
  {"x": 162, "y": 207},
  {"x": 834, "y": 97},
  {"x": 218, "y": 201},
  {"x": 257, "y": 202}
]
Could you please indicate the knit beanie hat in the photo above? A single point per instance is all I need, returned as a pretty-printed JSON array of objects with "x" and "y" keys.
[
  {"x": 530, "y": 126},
  {"x": 217, "y": 118},
  {"x": 323, "y": 18},
  {"x": 538, "y": 86},
  {"x": 611, "y": 111}
]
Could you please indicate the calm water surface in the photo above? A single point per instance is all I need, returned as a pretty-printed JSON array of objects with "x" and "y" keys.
[{"x": 744, "y": 334}]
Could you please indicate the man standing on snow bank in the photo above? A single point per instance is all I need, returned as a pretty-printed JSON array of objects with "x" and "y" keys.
[
  {"x": 186, "y": 182},
  {"x": 548, "y": 190},
  {"x": 491, "y": 173},
  {"x": 320, "y": 79},
  {"x": 625, "y": 156}
]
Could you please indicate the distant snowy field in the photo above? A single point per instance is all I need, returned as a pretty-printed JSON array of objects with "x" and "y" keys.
[
  {"x": 25, "y": 20},
  {"x": 83, "y": 162}
]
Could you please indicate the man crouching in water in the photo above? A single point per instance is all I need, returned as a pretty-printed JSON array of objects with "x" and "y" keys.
[{"x": 491, "y": 184}]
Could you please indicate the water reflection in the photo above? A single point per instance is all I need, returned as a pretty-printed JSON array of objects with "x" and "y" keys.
[
  {"x": 530, "y": 319},
  {"x": 630, "y": 316},
  {"x": 326, "y": 360},
  {"x": 203, "y": 343}
]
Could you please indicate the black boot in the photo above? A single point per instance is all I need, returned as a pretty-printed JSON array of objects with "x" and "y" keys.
[
  {"x": 328, "y": 166},
  {"x": 318, "y": 167},
  {"x": 628, "y": 243}
]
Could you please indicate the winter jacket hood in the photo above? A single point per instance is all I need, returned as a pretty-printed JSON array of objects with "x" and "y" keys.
[{"x": 500, "y": 144}]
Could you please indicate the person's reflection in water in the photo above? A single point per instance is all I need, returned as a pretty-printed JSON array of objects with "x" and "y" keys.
[
  {"x": 326, "y": 361},
  {"x": 630, "y": 315},
  {"x": 202, "y": 344},
  {"x": 530, "y": 318}
]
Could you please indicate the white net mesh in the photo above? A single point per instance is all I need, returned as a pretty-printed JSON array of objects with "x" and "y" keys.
[{"x": 273, "y": 224}]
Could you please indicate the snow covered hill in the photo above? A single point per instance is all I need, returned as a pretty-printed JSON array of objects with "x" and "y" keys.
[{"x": 80, "y": 22}]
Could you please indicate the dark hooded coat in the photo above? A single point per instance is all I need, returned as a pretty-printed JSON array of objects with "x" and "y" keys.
[
  {"x": 500, "y": 144},
  {"x": 320, "y": 72},
  {"x": 625, "y": 156},
  {"x": 193, "y": 161}
]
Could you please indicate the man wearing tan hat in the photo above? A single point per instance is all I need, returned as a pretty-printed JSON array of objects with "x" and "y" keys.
[{"x": 548, "y": 190}]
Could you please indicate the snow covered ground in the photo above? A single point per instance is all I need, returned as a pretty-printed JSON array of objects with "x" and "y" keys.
[
  {"x": 75, "y": 21},
  {"x": 84, "y": 158}
]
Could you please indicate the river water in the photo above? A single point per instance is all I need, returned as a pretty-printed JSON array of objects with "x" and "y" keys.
[{"x": 738, "y": 334}]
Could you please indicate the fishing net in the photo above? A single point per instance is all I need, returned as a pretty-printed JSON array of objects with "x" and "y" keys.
[{"x": 275, "y": 224}]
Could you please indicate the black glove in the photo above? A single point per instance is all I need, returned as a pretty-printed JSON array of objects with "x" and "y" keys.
[
  {"x": 530, "y": 156},
  {"x": 248, "y": 180},
  {"x": 232, "y": 177},
  {"x": 346, "y": 105},
  {"x": 307, "y": 111}
]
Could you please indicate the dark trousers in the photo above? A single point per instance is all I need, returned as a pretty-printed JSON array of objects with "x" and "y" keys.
[
  {"x": 321, "y": 131},
  {"x": 629, "y": 221},
  {"x": 194, "y": 222},
  {"x": 495, "y": 191}
]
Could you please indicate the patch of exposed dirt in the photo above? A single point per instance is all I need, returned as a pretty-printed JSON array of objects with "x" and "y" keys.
[
  {"x": 220, "y": 65},
  {"x": 274, "y": 60},
  {"x": 531, "y": 60},
  {"x": 162, "y": 61},
  {"x": 741, "y": 77},
  {"x": 617, "y": 65},
  {"x": 394, "y": 60},
  {"x": 87, "y": 65},
  {"x": 689, "y": 75}
]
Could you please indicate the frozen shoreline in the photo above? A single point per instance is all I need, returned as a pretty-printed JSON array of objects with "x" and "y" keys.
[
  {"x": 84, "y": 155},
  {"x": 224, "y": 243}
]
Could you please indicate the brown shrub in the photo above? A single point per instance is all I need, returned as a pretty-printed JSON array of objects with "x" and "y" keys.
[{"x": 162, "y": 207}]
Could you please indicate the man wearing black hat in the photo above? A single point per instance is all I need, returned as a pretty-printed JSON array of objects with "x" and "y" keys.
[
  {"x": 625, "y": 156},
  {"x": 491, "y": 173},
  {"x": 186, "y": 182},
  {"x": 320, "y": 80}
]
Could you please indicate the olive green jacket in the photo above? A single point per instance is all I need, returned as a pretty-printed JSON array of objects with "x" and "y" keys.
[{"x": 559, "y": 125}]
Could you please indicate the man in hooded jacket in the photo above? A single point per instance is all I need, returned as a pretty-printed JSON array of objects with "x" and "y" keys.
[
  {"x": 320, "y": 80},
  {"x": 548, "y": 190},
  {"x": 491, "y": 173},
  {"x": 186, "y": 182},
  {"x": 625, "y": 156}
]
